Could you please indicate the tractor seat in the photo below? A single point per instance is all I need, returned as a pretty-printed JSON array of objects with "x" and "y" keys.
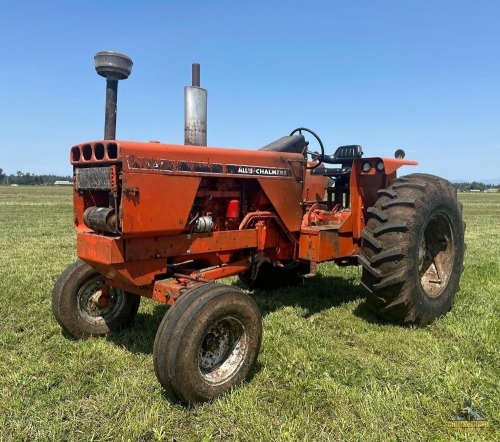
[
  {"x": 344, "y": 155},
  {"x": 290, "y": 144}
]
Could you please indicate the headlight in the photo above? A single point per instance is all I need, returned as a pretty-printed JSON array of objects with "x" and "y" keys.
[
  {"x": 366, "y": 167},
  {"x": 380, "y": 166},
  {"x": 399, "y": 154}
]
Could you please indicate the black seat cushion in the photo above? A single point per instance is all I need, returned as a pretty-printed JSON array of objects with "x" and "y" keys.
[
  {"x": 291, "y": 144},
  {"x": 344, "y": 155}
]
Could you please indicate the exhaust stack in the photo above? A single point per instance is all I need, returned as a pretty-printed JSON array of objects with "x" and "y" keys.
[
  {"x": 195, "y": 111},
  {"x": 113, "y": 66}
]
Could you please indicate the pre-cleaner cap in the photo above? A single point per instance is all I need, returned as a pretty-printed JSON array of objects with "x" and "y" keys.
[{"x": 113, "y": 65}]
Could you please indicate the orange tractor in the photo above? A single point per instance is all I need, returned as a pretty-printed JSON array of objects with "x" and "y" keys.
[{"x": 165, "y": 221}]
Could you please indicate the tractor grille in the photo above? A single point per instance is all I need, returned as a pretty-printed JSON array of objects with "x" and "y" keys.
[
  {"x": 93, "y": 178},
  {"x": 94, "y": 152}
]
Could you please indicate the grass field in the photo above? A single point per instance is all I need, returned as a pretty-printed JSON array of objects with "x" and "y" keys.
[{"x": 328, "y": 368}]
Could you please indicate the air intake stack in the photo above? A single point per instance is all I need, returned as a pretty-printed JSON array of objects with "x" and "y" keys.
[
  {"x": 113, "y": 66},
  {"x": 195, "y": 111}
]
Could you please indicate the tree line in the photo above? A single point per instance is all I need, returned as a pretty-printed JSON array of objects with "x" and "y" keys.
[
  {"x": 475, "y": 185},
  {"x": 21, "y": 178}
]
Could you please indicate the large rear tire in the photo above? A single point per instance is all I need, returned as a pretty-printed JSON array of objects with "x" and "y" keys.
[
  {"x": 80, "y": 307},
  {"x": 413, "y": 249},
  {"x": 207, "y": 343}
]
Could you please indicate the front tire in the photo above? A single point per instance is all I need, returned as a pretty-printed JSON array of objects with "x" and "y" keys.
[
  {"x": 413, "y": 249},
  {"x": 207, "y": 343},
  {"x": 80, "y": 307}
]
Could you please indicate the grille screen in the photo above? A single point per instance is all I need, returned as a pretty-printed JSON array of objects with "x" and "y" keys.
[{"x": 93, "y": 178}]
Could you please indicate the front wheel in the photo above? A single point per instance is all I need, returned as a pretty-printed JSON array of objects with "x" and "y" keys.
[
  {"x": 82, "y": 309},
  {"x": 207, "y": 343},
  {"x": 413, "y": 249}
]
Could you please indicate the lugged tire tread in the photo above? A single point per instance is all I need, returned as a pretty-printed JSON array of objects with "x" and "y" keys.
[
  {"x": 411, "y": 316},
  {"x": 391, "y": 226},
  {"x": 399, "y": 202},
  {"x": 387, "y": 192},
  {"x": 366, "y": 264},
  {"x": 377, "y": 213},
  {"x": 382, "y": 256},
  {"x": 399, "y": 301},
  {"x": 394, "y": 278},
  {"x": 371, "y": 239}
]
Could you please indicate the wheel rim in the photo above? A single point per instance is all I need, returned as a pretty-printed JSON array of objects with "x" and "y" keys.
[
  {"x": 94, "y": 306},
  {"x": 222, "y": 350},
  {"x": 436, "y": 255}
]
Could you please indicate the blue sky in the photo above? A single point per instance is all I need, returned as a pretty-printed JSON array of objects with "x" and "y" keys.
[{"x": 419, "y": 75}]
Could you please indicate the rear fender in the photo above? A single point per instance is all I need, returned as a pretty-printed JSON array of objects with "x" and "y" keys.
[{"x": 365, "y": 185}]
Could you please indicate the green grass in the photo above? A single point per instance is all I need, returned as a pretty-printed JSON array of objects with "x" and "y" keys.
[{"x": 328, "y": 368}]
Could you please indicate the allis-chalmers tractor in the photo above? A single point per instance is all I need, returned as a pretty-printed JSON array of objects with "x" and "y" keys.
[{"x": 165, "y": 221}]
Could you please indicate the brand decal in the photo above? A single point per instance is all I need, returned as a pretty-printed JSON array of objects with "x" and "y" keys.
[
  {"x": 198, "y": 167},
  {"x": 236, "y": 169}
]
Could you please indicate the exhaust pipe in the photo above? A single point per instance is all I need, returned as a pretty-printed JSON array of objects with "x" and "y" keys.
[
  {"x": 113, "y": 66},
  {"x": 195, "y": 111}
]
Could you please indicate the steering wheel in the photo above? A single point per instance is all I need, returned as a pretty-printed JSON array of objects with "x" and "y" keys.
[{"x": 314, "y": 155}]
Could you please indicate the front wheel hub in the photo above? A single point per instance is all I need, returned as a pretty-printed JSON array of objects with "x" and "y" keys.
[
  {"x": 222, "y": 350},
  {"x": 96, "y": 300}
]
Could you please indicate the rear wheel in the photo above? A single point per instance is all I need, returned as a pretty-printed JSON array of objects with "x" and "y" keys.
[
  {"x": 413, "y": 249},
  {"x": 82, "y": 309},
  {"x": 207, "y": 343}
]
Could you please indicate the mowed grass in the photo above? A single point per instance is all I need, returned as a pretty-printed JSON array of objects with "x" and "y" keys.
[{"x": 328, "y": 369}]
